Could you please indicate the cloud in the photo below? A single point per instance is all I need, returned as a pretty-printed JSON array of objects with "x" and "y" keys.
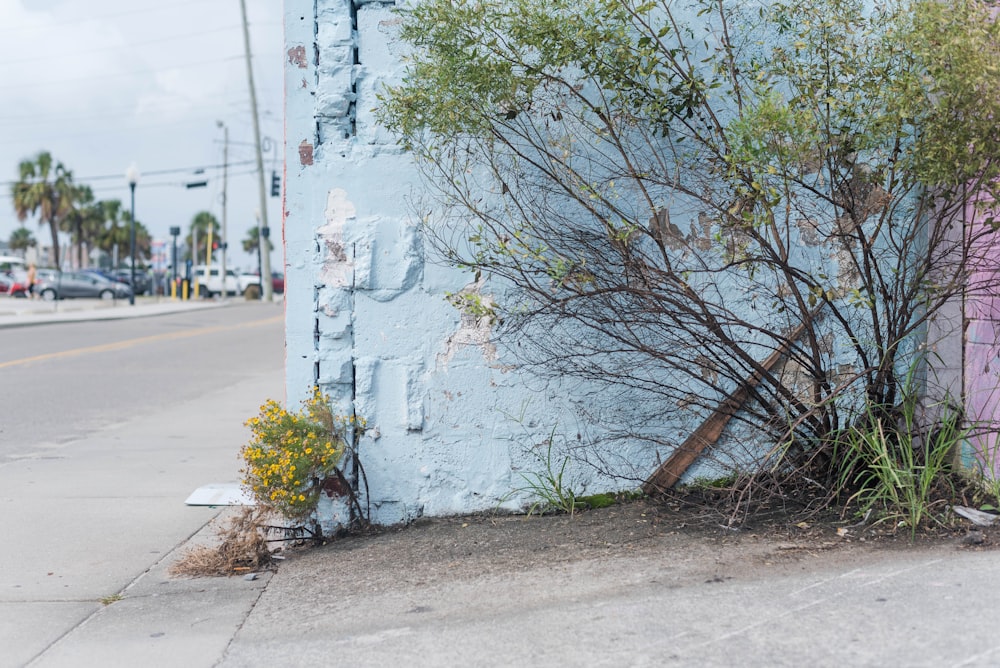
[{"x": 104, "y": 83}]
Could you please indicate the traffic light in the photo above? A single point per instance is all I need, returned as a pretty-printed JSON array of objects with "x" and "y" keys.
[{"x": 275, "y": 185}]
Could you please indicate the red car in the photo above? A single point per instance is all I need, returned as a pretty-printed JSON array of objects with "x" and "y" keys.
[
  {"x": 17, "y": 281},
  {"x": 14, "y": 284},
  {"x": 277, "y": 281}
]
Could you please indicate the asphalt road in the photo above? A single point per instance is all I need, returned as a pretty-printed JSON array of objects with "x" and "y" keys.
[
  {"x": 107, "y": 427},
  {"x": 61, "y": 382}
]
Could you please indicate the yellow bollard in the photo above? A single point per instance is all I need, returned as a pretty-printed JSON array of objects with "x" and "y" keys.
[{"x": 184, "y": 290}]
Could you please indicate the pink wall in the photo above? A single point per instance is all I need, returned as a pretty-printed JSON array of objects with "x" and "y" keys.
[{"x": 982, "y": 341}]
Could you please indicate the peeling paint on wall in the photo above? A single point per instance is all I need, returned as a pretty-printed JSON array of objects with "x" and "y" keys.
[
  {"x": 305, "y": 150},
  {"x": 336, "y": 265},
  {"x": 472, "y": 332},
  {"x": 297, "y": 57}
]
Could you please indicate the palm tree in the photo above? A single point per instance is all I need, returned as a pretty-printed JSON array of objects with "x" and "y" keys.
[
  {"x": 250, "y": 243},
  {"x": 112, "y": 231},
  {"x": 84, "y": 220},
  {"x": 117, "y": 232},
  {"x": 93, "y": 225},
  {"x": 203, "y": 222},
  {"x": 21, "y": 239},
  {"x": 44, "y": 187}
]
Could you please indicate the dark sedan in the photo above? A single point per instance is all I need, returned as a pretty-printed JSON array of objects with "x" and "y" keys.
[{"x": 71, "y": 284}]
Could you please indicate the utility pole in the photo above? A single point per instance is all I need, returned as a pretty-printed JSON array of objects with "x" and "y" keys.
[
  {"x": 225, "y": 235},
  {"x": 262, "y": 237}
]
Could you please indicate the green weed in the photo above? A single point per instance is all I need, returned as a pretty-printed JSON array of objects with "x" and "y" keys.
[
  {"x": 894, "y": 464},
  {"x": 548, "y": 488}
]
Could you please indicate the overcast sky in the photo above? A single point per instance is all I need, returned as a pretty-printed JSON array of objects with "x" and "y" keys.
[{"x": 104, "y": 83}]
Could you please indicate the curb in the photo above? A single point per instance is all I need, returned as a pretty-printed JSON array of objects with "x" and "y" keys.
[{"x": 117, "y": 312}]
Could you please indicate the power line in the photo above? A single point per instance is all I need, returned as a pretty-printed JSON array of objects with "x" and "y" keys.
[
  {"x": 161, "y": 172},
  {"x": 161, "y": 184},
  {"x": 155, "y": 172}
]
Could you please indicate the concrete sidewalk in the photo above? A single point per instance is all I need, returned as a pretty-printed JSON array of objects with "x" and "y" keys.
[
  {"x": 347, "y": 605},
  {"x": 364, "y": 601},
  {"x": 15, "y": 312}
]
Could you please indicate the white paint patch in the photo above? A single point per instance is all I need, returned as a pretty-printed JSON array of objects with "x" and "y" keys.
[{"x": 337, "y": 263}]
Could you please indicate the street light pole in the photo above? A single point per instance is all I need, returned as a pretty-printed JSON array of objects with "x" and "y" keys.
[
  {"x": 174, "y": 232},
  {"x": 132, "y": 174}
]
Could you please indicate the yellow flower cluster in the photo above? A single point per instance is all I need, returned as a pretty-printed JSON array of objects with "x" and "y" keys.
[{"x": 290, "y": 454}]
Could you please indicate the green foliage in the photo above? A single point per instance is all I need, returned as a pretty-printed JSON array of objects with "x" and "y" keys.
[
  {"x": 21, "y": 239},
  {"x": 251, "y": 241},
  {"x": 607, "y": 499},
  {"x": 986, "y": 478},
  {"x": 897, "y": 466},
  {"x": 473, "y": 304},
  {"x": 549, "y": 492},
  {"x": 721, "y": 482},
  {"x": 203, "y": 225},
  {"x": 44, "y": 187},
  {"x": 952, "y": 91}
]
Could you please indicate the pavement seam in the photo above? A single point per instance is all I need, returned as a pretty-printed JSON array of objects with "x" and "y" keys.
[
  {"x": 86, "y": 620},
  {"x": 239, "y": 628}
]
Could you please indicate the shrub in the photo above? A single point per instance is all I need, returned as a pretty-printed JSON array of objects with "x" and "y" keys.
[{"x": 292, "y": 454}]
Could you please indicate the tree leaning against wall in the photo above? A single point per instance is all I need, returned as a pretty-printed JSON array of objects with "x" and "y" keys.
[{"x": 659, "y": 192}]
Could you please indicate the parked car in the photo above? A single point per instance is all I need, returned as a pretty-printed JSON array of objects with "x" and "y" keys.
[
  {"x": 143, "y": 283},
  {"x": 79, "y": 284},
  {"x": 123, "y": 276},
  {"x": 277, "y": 280},
  {"x": 248, "y": 280},
  {"x": 16, "y": 282},
  {"x": 101, "y": 272},
  {"x": 18, "y": 286},
  {"x": 9, "y": 263}
]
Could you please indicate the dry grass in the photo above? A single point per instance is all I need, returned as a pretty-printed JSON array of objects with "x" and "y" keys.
[{"x": 242, "y": 549}]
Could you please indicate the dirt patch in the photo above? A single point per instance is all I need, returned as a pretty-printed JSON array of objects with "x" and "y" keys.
[{"x": 430, "y": 550}]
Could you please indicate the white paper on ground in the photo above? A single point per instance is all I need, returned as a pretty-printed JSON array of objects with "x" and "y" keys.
[{"x": 220, "y": 494}]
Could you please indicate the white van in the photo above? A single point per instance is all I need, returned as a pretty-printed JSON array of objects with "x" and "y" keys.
[
  {"x": 9, "y": 263},
  {"x": 210, "y": 284}
]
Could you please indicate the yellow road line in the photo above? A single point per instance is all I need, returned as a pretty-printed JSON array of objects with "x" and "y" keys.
[{"x": 130, "y": 343}]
